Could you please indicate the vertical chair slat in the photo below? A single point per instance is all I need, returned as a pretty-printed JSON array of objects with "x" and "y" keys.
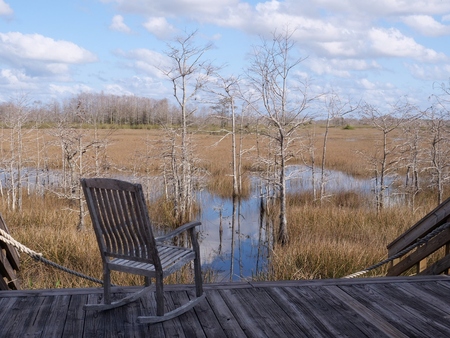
[
  {"x": 123, "y": 220},
  {"x": 108, "y": 229}
]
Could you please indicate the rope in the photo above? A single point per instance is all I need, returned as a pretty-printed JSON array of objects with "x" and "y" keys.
[
  {"x": 5, "y": 237},
  {"x": 403, "y": 252}
]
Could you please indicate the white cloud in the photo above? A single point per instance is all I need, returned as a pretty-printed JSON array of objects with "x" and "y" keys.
[
  {"x": 5, "y": 9},
  {"x": 58, "y": 90},
  {"x": 14, "y": 78},
  {"x": 40, "y": 54},
  {"x": 426, "y": 25},
  {"x": 366, "y": 84},
  {"x": 391, "y": 42},
  {"x": 382, "y": 8},
  {"x": 40, "y": 48},
  {"x": 148, "y": 86},
  {"x": 117, "y": 24},
  {"x": 341, "y": 48},
  {"x": 159, "y": 27},
  {"x": 380, "y": 94},
  {"x": 145, "y": 60},
  {"x": 430, "y": 72},
  {"x": 340, "y": 67},
  {"x": 115, "y": 89}
]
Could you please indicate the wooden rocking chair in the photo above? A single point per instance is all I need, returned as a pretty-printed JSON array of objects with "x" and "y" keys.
[{"x": 125, "y": 237}]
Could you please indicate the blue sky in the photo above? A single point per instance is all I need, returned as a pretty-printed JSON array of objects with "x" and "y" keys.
[{"x": 377, "y": 51}]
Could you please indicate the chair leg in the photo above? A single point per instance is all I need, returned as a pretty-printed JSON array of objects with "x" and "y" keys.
[
  {"x": 197, "y": 264},
  {"x": 159, "y": 295},
  {"x": 106, "y": 285},
  {"x": 198, "y": 277}
]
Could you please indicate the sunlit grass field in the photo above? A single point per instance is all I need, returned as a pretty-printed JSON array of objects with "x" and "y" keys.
[{"x": 330, "y": 240}]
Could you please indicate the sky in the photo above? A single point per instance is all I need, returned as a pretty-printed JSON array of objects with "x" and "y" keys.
[{"x": 375, "y": 51}]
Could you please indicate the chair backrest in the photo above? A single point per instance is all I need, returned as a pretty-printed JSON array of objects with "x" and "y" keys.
[{"x": 120, "y": 219}]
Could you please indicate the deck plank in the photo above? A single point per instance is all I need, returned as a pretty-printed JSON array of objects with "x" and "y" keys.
[
  {"x": 385, "y": 308},
  {"x": 225, "y": 317},
  {"x": 438, "y": 289},
  {"x": 74, "y": 325},
  {"x": 172, "y": 328},
  {"x": 95, "y": 320},
  {"x": 250, "y": 322},
  {"x": 6, "y": 305},
  {"x": 23, "y": 314},
  {"x": 147, "y": 307},
  {"x": 366, "y": 307},
  {"x": 299, "y": 311},
  {"x": 440, "y": 303},
  {"x": 114, "y": 327},
  {"x": 56, "y": 316},
  {"x": 420, "y": 309},
  {"x": 417, "y": 325},
  {"x": 370, "y": 316},
  {"x": 339, "y": 316},
  {"x": 189, "y": 321},
  {"x": 273, "y": 315},
  {"x": 207, "y": 318}
]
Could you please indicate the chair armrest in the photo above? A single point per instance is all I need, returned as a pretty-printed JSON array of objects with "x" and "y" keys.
[{"x": 177, "y": 231}]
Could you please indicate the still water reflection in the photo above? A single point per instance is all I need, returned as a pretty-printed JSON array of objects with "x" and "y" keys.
[{"x": 235, "y": 236}]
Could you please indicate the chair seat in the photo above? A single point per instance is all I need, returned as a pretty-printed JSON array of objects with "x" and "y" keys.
[{"x": 172, "y": 258}]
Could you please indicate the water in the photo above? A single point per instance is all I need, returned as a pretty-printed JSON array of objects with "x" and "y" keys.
[
  {"x": 235, "y": 247},
  {"x": 234, "y": 236},
  {"x": 242, "y": 253}
]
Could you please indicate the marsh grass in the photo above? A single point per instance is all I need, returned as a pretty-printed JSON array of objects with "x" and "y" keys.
[
  {"x": 338, "y": 238},
  {"x": 48, "y": 226},
  {"x": 327, "y": 240}
]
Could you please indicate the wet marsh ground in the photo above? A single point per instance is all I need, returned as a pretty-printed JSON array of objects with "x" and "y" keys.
[{"x": 327, "y": 240}]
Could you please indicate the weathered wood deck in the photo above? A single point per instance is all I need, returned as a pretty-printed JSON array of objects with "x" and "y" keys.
[{"x": 366, "y": 307}]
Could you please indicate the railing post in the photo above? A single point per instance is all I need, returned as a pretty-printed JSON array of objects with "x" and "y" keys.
[
  {"x": 9, "y": 263},
  {"x": 393, "y": 263}
]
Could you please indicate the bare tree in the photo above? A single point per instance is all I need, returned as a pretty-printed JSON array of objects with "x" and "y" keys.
[
  {"x": 336, "y": 109},
  {"x": 189, "y": 74},
  {"x": 414, "y": 154},
  {"x": 281, "y": 102},
  {"x": 16, "y": 115},
  {"x": 75, "y": 143},
  {"x": 228, "y": 92},
  {"x": 438, "y": 140},
  {"x": 386, "y": 160},
  {"x": 439, "y": 149}
]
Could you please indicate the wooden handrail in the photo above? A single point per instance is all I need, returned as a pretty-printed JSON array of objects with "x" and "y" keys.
[
  {"x": 418, "y": 257},
  {"x": 9, "y": 263}
]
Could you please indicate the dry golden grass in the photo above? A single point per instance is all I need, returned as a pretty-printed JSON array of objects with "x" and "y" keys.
[
  {"x": 127, "y": 147},
  {"x": 332, "y": 240},
  {"x": 47, "y": 226},
  {"x": 343, "y": 146}
]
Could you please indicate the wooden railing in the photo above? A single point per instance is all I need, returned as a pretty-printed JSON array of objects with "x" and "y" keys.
[
  {"x": 431, "y": 258},
  {"x": 9, "y": 263}
]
